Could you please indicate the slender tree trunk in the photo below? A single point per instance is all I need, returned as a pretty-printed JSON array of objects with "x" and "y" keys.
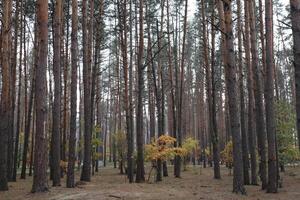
[
  {"x": 242, "y": 97},
  {"x": 18, "y": 128},
  {"x": 55, "y": 140},
  {"x": 180, "y": 103},
  {"x": 140, "y": 171},
  {"x": 258, "y": 95},
  {"x": 160, "y": 92},
  {"x": 33, "y": 131},
  {"x": 73, "y": 124},
  {"x": 29, "y": 121},
  {"x": 123, "y": 33},
  {"x": 270, "y": 107},
  {"x": 231, "y": 82},
  {"x": 105, "y": 134},
  {"x": 212, "y": 95},
  {"x": 251, "y": 103},
  {"x": 86, "y": 170},
  {"x": 65, "y": 65},
  {"x": 81, "y": 119},
  {"x": 170, "y": 69},
  {"x": 25, "y": 82},
  {"x": 131, "y": 87},
  {"x": 13, "y": 77}
]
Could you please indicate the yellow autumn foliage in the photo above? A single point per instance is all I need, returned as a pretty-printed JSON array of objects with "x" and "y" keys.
[
  {"x": 189, "y": 145},
  {"x": 227, "y": 153},
  {"x": 163, "y": 148}
]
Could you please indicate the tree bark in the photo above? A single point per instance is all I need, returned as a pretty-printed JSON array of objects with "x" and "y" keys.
[
  {"x": 86, "y": 170},
  {"x": 232, "y": 90},
  {"x": 5, "y": 95},
  {"x": 123, "y": 36},
  {"x": 140, "y": 171},
  {"x": 295, "y": 15},
  {"x": 251, "y": 103},
  {"x": 212, "y": 95},
  {"x": 18, "y": 128},
  {"x": 258, "y": 95},
  {"x": 242, "y": 98},
  {"x": 73, "y": 125},
  {"x": 55, "y": 140},
  {"x": 270, "y": 107},
  {"x": 181, "y": 90},
  {"x": 40, "y": 150}
]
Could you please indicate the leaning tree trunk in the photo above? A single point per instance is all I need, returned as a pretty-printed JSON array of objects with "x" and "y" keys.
[
  {"x": 233, "y": 101},
  {"x": 40, "y": 150}
]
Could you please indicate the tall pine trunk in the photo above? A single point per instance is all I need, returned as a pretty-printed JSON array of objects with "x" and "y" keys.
[
  {"x": 55, "y": 139},
  {"x": 86, "y": 169},
  {"x": 18, "y": 125},
  {"x": 233, "y": 101},
  {"x": 212, "y": 95},
  {"x": 295, "y": 14},
  {"x": 73, "y": 124},
  {"x": 251, "y": 115},
  {"x": 40, "y": 148},
  {"x": 5, "y": 95},
  {"x": 140, "y": 170},
  {"x": 242, "y": 97},
  {"x": 270, "y": 107},
  {"x": 181, "y": 90},
  {"x": 258, "y": 95}
]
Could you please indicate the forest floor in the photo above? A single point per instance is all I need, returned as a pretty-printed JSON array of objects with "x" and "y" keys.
[{"x": 196, "y": 184}]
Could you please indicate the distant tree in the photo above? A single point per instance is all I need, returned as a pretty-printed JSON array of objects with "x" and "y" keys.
[{"x": 285, "y": 130}]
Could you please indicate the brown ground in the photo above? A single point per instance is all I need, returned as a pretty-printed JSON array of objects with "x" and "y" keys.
[{"x": 195, "y": 184}]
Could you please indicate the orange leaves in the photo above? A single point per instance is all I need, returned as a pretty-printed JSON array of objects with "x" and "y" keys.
[
  {"x": 227, "y": 153},
  {"x": 163, "y": 148}
]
